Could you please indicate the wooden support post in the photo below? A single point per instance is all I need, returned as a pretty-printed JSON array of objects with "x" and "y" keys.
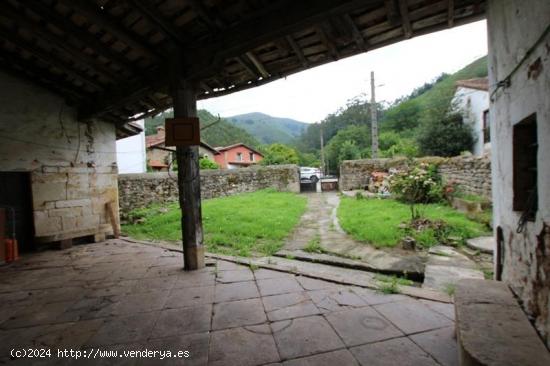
[{"x": 185, "y": 105}]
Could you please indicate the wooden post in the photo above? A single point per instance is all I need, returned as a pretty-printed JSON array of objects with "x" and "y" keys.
[{"x": 185, "y": 105}]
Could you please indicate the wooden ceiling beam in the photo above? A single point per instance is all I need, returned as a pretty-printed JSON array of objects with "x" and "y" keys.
[
  {"x": 247, "y": 67},
  {"x": 101, "y": 17},
  {"x": 278, "y": 20},
  {"x": 50, "y": 59},
  {"x": 297, "y": 51},
  {"x": 22, "y": 68},
  {"x": 258, "y": 64},
  {"x": 451, "y": 13},
  {"x": 78, "y": 34},
  {"x": 405, "y": 20},
  {"x": 392, "y": 13},
  {"x": 327, "y": 42},
  {"x": 357, "y": 36},
  {"x": 204, "y": 13},
  {"x": 206, "y": 87},
  {"x": 203, "y": 58},
  {"x": 38, "y": 31},
  {"x": 152, "y": 14}
]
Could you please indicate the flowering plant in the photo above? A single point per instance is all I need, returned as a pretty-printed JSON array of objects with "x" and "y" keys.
[{"x": 417, "y": 184}]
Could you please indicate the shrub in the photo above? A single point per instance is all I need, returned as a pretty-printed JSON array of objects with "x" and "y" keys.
[
  {"x": 205, "y": 163},
  {"x": 449, "y": 137},
  {"x": 417, "y": 184}
]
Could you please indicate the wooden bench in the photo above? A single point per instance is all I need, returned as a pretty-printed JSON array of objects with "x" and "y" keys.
[{"x": 492, "y": 329}]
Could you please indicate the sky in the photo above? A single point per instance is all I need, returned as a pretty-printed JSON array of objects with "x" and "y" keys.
[{"x": 311, "y": 95}]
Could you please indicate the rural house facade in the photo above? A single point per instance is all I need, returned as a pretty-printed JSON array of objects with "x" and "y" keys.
[
  {"x": 237, "y": 156},
  {"x": 471, "y": 99}
]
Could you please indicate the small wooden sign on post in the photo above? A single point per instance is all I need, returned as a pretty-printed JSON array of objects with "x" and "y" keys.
[{"x": 182, "y": 131}]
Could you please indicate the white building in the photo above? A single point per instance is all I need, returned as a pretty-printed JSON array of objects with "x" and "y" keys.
[
  {"x": 130, "y": 152},
  {"x": 519, "y": 64},
  {"x": 472, "y": 101}
]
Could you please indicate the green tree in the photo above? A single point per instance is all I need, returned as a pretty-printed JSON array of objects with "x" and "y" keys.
[
  {"x": 277, "y": 154},
  {"x": 349, "y": 151},
  {"x": 205, "y": 164},
  {"x": 448, "y": 137},
  {"x": 403, "y": 116},
  {"x": 359, "y": 135}
]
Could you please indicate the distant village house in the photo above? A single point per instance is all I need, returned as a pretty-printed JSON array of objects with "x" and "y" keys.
[
  {"x": 159, "y": 156},
  {"x": 237, "y": 156},
  {"x": 471, "y": 99}
]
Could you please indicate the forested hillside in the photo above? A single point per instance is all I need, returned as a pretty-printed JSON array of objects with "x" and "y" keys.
[{"x": 268, "y": 129}]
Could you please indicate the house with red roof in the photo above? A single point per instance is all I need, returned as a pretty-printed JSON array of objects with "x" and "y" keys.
[{"x": 237, "y": 156}]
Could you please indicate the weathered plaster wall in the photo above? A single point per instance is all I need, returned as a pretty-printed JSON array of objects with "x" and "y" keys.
[
  {"x": 472, "y": 173},
  {"x": 471, "y": 103},
  {"x": 141, "y": 190},
  {"x": 514, "y": 26},
  {"x": 72, "y": 165}
]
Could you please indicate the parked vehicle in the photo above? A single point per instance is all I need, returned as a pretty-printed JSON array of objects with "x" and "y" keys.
[{"x": 312, "y": 174}]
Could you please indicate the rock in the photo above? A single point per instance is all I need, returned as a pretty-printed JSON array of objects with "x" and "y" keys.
[
  {"x": 443, "y": 278},
  {"x": 408, "y": 243},
  {"x": 484, "y": 244}
]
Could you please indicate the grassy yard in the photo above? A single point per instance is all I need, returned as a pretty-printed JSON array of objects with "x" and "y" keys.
[
  {"x": 245, "y": 225},
  {"x": 377, "y": 221}
]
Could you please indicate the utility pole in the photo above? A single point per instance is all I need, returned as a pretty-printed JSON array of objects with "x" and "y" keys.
[
  {"x": 323, "y": 167},
  {"x": 374, "y": 118}
]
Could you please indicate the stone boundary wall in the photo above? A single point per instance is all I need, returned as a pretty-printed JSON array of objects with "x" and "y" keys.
[
  {"x": 472, "y": 173},
  {"x": 142, "y": 190}
]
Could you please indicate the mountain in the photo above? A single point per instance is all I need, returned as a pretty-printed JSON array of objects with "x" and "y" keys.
[
  {"x": 222, "y": 133},
  {"x": 268, "y": 129}
]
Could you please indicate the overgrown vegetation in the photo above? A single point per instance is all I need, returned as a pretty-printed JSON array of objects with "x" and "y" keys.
[
  {"x": 383, "y": 223},
  {"x": 207, "y": 164},
  {"x": 314, "y": 246},
  {"x": 244, "y": 225},
  {"x": 421, "y": 123}
]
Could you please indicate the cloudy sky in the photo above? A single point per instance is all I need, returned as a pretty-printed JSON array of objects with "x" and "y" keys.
[{"x": 310, "y": 95}]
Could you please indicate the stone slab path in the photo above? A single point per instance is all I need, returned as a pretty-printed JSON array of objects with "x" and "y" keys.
[
  {"x": 320, "y": 223},
  {"x": 121, "y": 296}
]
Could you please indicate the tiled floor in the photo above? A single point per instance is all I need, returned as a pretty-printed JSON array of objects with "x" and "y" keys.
[{"x": 119, "y": 296}]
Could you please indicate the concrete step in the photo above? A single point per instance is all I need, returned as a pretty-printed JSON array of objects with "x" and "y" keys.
[
  {"x": 492, "y": 329},
  {"x": 484, "y": 244}
]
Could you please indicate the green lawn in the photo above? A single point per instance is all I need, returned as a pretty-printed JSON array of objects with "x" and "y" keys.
[
  {"x": 245, "y": 225},
  {"x": 377, "y": 221}
]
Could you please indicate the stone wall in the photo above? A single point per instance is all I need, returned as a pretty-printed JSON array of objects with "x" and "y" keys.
[
  {"x": 141, "y": 190},
  {"x": 473, "y": 174},
  {"x": 72, "y": 164}
]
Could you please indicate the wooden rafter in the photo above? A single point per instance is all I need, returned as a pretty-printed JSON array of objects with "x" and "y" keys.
[
  {"x": 258, "y": 64},
  {"x": 78, "y": 34},
  {"x": 202, "y": 11},
  {"x": 206, "y": 87},
  {"x": 405, "y": 20},
  {"x": 152, "y": 14},
  {"x": 48, "y": 37},
  {"x": 391, "y": 12},
  {"x": 326, "y": 41},
  {"x": 357, "y": 36},
  {"x": 103, "y": 19},
  {"x": 51, "y": 59},
  {"x": 451, "y": 13},
  {"x": 297, "y": 51},
  {"x": 28, "y": 70},
  {"x": 245, "y": 65}
]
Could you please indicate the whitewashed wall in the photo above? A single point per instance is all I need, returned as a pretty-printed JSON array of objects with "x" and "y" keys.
[
  {"x": 72, "y": 164},
  {"x": 130, "y": 153},
  {"x": 514, "y": 26},
  {"x": 471, "y": 103}
]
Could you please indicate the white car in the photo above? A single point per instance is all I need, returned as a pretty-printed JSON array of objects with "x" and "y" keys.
[{"x": 312, "y": 174}]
